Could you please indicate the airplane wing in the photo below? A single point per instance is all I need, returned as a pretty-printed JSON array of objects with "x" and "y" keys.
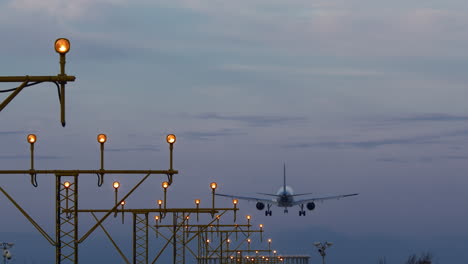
[
  {"x": 268, "y": 194},
  {"x": 321, "y": 199},
  {"x": 269, "y": 201}
]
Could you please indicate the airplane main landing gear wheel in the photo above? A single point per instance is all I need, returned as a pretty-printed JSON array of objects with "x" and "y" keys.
[{"x": 302, "y": 213}]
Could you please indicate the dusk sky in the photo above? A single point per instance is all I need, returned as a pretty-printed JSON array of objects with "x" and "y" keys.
[{"x": 364, "y": 96}]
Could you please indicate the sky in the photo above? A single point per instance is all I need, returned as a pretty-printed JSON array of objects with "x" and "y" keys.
[{"x": 363, "y": 96}]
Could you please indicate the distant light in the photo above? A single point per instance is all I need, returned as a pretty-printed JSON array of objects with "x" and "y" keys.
[
  {"x": 62, "y": 45},
  {"x": 160, "y": 202},
  {"x": 171, "y": 138},
  {"x": 213, "y": 185},
  {"x": 122, "y": 203},
  {"x": 102, "y": 138},
  {"x": 66, "y": 184},
  {"x": 197, "y": 201},
  {"x": 165, "y": 184},
  {"x": 235, "y": 201},
  {"x": 116, "y": 185},
  {"x": 32, "y": 138},
  {"x": 248, "y": 217}
]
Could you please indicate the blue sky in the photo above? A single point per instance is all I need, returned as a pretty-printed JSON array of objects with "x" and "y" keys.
[{"x": 354, "y": 96}]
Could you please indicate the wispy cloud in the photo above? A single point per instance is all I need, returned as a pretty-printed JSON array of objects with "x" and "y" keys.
[
  {"x": 36, "y": 157},
  {"x": 424, "y": 159},
  {"x": 338, "y": 71},
  {"x": 433, "y": 117},
  {"x": 62, "y": 9},
  {"x": 137, "y": 148},
  {"x": 210, "y": 135},
  {"x": 370, "y": 144},
  {"x": 24, "y": 132},
  {"x": 255, "y": 120}
]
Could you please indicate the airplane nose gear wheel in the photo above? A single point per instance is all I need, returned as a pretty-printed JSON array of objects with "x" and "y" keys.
[{"x": 268, "y": 213}]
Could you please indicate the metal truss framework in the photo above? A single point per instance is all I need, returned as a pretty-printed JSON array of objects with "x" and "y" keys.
[
  {"x": 66, "y": 223},
  {"x": 140, "y": 238}
]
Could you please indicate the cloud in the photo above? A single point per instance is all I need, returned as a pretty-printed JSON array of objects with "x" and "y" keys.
[
  {"x": 23, "y": 132},
  {"x": 347, "y": 72},
  {"x": 434, "y": 117},
  {"x": 36, "y": 157},
  {"x": 424, "y": 159},
  {"x": 69, "y": 10},
  {"x": 198, "y": 135},
  {"x": 138, "y": 148},
  {"x": 255, "y": 120},
  {"x": 371, "y": 144}
]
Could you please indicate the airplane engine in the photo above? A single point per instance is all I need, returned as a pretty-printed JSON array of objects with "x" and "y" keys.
[
  {"x": 260, "y": 206},
  {"x": 7, "y": 254},
  {"x": 311, "y": 206}
]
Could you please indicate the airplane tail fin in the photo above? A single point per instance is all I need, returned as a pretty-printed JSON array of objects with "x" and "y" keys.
[{"x": 284, "y": 177}]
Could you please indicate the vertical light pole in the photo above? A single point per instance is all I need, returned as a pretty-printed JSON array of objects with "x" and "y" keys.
[
  {"x": 171, "y": 139},
  {"x": 321, "y": 249},
  {"x": 197, "y": 204},
  {"x": 269, "y": 246},
  {"x": 62, "y": 46},
  {"x": 228, "y": 241},
  {"x": 207, "y": 250},
  {"x": 213, "y": 187},
  {"x": 32, "y": 139},
  {"x": 165, "y": 185},
  {"x": 235, "y": 202},
  {"x": 101, "y": 139},
  {"x": 122, "y": 204},
  {"x": 116, "y": 186},
  {"x": 67, "y": 186}
]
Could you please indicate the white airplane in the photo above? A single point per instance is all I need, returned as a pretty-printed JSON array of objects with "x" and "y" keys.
[{"x": 285, "y": 198}]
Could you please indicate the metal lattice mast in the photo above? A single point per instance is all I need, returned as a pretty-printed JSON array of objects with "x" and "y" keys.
[
  {"x": 179, "y": 237},
  {"x": 66, "y": 250},
  {"x": 140, "y": 238}
]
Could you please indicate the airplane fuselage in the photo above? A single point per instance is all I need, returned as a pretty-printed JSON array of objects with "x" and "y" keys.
[{"x": 285, "y": 197}]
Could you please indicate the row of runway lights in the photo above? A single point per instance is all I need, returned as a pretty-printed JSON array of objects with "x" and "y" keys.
[{"x": 102, "y": 138}]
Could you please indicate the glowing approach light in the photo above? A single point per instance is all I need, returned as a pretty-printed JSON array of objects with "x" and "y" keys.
[
  {"x": 62, "y": 45},
  {"x": 32, "y": 138}
]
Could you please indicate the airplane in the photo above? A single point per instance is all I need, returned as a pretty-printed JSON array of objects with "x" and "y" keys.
[{"x": 285, "y": 198}]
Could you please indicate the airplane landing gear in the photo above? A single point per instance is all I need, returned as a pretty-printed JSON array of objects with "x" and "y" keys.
[
  {"x": 268, "y": 211},
  {"x": 302, "y": 212},
  {"x": 285, "y": 211}
]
